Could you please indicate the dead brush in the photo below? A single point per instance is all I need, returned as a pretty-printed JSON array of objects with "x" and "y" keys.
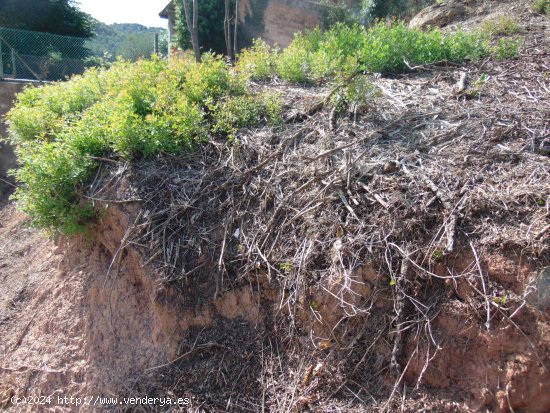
[{"x": 305, "y": 203}]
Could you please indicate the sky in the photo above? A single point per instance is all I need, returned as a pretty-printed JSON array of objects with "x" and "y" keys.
[{"x": 145, "y": 12}]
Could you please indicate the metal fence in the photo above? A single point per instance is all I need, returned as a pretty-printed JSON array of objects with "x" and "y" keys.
[{"x": 40, "y": 56}]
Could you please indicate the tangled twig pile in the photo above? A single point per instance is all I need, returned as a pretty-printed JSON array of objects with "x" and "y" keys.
[{"x": 425, "y": 173}]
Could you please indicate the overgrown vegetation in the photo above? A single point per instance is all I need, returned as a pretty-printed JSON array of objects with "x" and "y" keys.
[
  {"x": 542, "y": 7},
  {"x": 503, "y": 25},
  {"x": 507, "y": 48},
  {"x": 134, "y": 111},
  {"x": 315, "y": 56},
  {"x": 130, "y": 111},
  {"x": 126, "y": 40}
]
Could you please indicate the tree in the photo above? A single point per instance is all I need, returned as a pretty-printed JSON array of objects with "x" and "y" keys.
[
  {"x": 128, "y": 40},
  {"x": 191, "y": 22},
  {"x": 231, "y": 44},
  {"x": 52, "y": 16},
  {"x": 210, "y": 26}
]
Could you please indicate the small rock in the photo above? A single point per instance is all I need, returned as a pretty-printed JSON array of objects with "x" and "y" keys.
[
  {"x": 389, "y": 167},
  {"x": 544, "y": 147},
  {"x": 438, "y": 15}
]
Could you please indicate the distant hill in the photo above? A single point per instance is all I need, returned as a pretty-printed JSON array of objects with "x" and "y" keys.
[{"x": 127, "y": 40}]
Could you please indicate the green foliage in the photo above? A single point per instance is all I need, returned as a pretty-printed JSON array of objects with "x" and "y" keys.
[
  {"x": 258, "y": 61},
  {"x": 237, "y": 112},
  {"x": 51, "y": 170},
  {"x": 286, "y": 266},
  {"x": 356, "y": 91},
  {"x": 437, "y": 255},
  {"x": 507, "y": 48},
  {"x": 129, "y": 111},
  {"x": 135, "y": 110},
  {"x": 501, "y": 300},
  {"x": 50, "y": 16},
  {"x": 316, "y": 56},
  {"x": 542, "y": 7},
  {"x": 128, "y": 41},
  {"x": 207, "y": 80},
  {"x": 294, "y": 63},
  {"x": 211, "y": 17},
  {"x": 337, "y": 52},
  {"x": 502, "y": 25},
  {"x": 340, "y": 12},
  {"x": 483, "y": 78}
]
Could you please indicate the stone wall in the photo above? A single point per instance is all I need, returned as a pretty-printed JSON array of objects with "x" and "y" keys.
[{"x": 8, "y": 90}]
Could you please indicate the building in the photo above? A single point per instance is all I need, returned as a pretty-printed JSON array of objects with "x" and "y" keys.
[{"x": 275, "y": 21}]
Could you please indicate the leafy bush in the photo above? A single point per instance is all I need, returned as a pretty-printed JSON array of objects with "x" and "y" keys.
[
  {"x": 507, "y": 48},
  {"x": 316, "y": 56},
  {"x": 542, "y": 7},
  {"x": 258, "y": 61},
  {"x": 338, "y": 52},
  {"x": 49, "y": 173},
  {"x": 233, "y": 112},
  {"x": 129, "y": 111},
  {"x": 135, "y": 110},
  {"x": 294, "y": 63},
  {"x": 502, "y": 25}
]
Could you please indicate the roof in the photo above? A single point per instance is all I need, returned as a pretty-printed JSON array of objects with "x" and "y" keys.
[{"x": 168, "y": 10}]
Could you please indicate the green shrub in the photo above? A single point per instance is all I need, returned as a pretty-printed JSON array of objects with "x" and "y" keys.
[
  {"x": 258, "y": 61},
  {"x": 542, "y": 7},
  {"x": 129, "y": 111},
  {"x": 507, "y": 48},
  {"x": 206, "y": 80},
  {"x": 49, "y": 174},
  {"x": 358, "y": 91},
  {"x": 461, "y": 46},
  {"x": 502, "y": 25},
  {"x": 135, "y": 110},
  {"x": 389, "y": 49},
  {"x": 338, "y": 52},
  {"x": 315, "y": 56},
  {"x": 234, "y": 113}
]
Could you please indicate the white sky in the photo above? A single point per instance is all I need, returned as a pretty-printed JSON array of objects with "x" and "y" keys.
[{"x": 145, "y": 12}]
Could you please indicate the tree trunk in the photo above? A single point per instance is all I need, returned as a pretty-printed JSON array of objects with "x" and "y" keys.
[
  {"x": 227, "y": 32},
  {"x": 193, "y": 26},
  {"x": 236, "y": 25}
]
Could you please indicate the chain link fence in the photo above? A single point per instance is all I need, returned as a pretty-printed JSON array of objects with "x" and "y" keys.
[{"x": 40, "y": 56}]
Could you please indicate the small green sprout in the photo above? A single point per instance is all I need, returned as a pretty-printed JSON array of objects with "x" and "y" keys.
[
  {"x": 501, "y": 300},
  {"x": 285, "y": 266},
  {"x": 482, "y": 80},
  {"x": 437, "y": 255}
]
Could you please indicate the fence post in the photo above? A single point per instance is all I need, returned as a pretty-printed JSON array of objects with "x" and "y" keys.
[
  {"x": 13, "y": 63},
  {"x": 1, "y": 61},
  {"x": 156, "y": 43}
]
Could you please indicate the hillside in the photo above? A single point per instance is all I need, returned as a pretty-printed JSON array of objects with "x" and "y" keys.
[
  {"x": 321, "y": 239},
  {"x": 130, "y": 41}
]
